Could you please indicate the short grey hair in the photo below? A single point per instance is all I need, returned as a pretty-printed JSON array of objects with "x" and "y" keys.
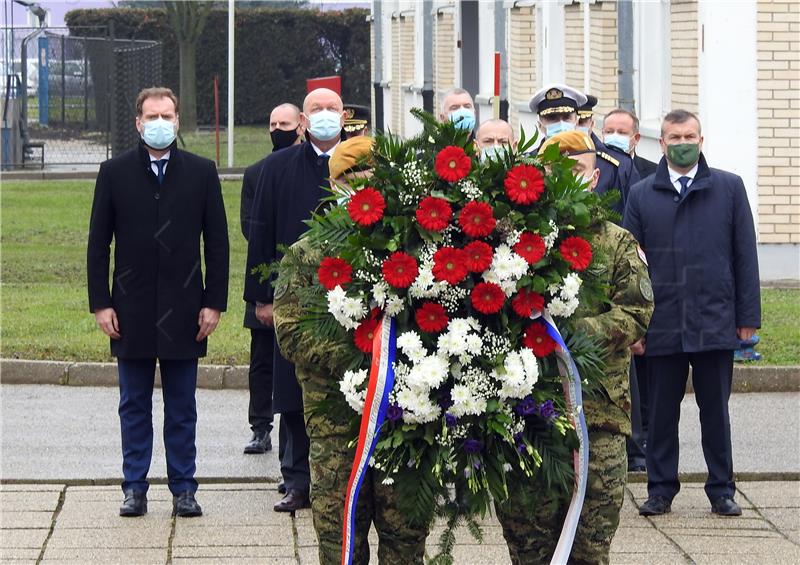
[
  {"x": 496, "y": 121},
  {"x": 454, "y": 92}
]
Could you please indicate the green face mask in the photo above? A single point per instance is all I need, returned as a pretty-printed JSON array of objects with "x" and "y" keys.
[{"x": 683, "y": 154}]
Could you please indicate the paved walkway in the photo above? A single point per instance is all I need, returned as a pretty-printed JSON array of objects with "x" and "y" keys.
[{"x": 78, "y": 524}]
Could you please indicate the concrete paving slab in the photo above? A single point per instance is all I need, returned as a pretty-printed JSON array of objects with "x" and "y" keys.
[
  {"x": 239, "y": 508},
  {"x": 239, "y": 561},
  {"x": 31, "y": 487},
  {"x": 24, "y": 538},
  {"x": 231, "y": 552},
  {"x": 212, "y": 535},
  {"x": 19, "y": 553},
  {"x": 308, "y": 555},
  {"x": 771, "y": 494},
  {"x": 639, "y": 540},
  {"x": 702, "y": 544},
  {"x": 766, "y": 532},
  {"x": 103, "y": 515},
  {"x": 14, "y": 519},
  {"x": 30, "y": 501},
  {"x": 492, "y": 535},
  {"x": 782, "y": 518},
  {"x": 110, "y": 538},
  {"x": 646, "y": 559},
  {"x": 307, "y": 537},
  {"x": 480, "y": 555},
  {"x": 720, "y": 559},
  {"x": 18, "y": 562},
  {"x": 103, "y": 555}
]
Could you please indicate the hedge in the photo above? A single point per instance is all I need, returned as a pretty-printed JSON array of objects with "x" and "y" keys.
[{"x": 276, "y": 51}]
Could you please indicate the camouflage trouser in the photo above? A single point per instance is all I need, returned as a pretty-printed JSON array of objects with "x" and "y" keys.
[
  {"x": 331, "y": 461},
  {"x": 532, "y": 533}
]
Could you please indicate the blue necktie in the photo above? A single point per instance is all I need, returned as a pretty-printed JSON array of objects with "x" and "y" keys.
[
  {"x": 684, "y": 184},
  {"x": 161, "y": 163}
]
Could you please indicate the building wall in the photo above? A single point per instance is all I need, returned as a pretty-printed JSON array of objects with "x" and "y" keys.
[
  {"x": 603, "y": 33},
  {"x": 395, "y": 84},
  {"x": 573, "y": 48},
  {"x": 522, "y": 72},
  {"x": 407, "y": 64},
  {"x": 444, "y": 59},
  {"x": 684, "y": 46},
  {"x": 778, "y": 42}
]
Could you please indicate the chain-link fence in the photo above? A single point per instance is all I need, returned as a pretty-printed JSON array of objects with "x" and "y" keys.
[{"x": 79, "y": 92}]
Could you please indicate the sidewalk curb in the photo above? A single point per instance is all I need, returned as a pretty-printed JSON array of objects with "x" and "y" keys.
[
  {"x": 23, "y": 371},
  {"x": 225, "y": 173}
]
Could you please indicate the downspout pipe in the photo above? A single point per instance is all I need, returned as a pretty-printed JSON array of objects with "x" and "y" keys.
[
  {"x": 427, "y": 56},
  {"x": 377, "y": 22},
  {"x": 500, "y": 14},
  {"x": 625, "y": 39}
]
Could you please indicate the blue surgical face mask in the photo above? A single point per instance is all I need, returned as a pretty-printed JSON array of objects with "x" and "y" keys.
[
  {"x": 493, "y": 153},
  {"x": 464, "y": 118},
  {"x": 584, "y": 129},
  {"x": 325, "y": 125},
  {"x": 558, "y": 127},
  {"x": 618, "y": 141},
  {"x": 158, "y": 133}
]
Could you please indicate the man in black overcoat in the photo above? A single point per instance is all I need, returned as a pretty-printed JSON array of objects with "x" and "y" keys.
[
  {"x": 621, "y": 130},
  {"x": 289, "y": 189},
  {"x": 285, "y": 130},
  {"x": 696, "y": 228},
  {"x": 156, "y": 202}
]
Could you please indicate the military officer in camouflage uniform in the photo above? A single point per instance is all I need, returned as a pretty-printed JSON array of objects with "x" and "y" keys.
[
  {"x": 532, "y": 530},
  {"x": 319, "y": 366}
]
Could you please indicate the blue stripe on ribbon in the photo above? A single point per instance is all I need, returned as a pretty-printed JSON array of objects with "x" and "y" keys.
[
  {"x": 385, "y": 384},
  {"x": 573, "y": 396}
]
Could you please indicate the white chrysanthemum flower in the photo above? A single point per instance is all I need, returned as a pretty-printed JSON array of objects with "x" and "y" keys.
[
  {"x": 349, "y": 384},
  {"x": 571, "y": 285},
  {"x": 379, "y": 291},
  {"x": 550, "y": 238},
  {"x": 562, "y": 308},
  {"x": 474, "y": 344},
  {"x": 530, "y": 364},
  {"x": 394, "y": 305},
  {"x": 354, "y": 309}
]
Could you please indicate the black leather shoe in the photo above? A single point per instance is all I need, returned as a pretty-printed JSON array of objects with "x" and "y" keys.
[
  {"x": 135, "y": 504},
  {"x": 293, "y": 500},
  {"x": 261, "y": 443},
  {"x": 282, "y": 487},
  {"x": 655, "y": 506},
  {"x": 726, "y": 506},
  {"x": 185, "y": 505}
]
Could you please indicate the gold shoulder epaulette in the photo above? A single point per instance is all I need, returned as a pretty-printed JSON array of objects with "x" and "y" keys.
[{"x": 607, "y": 157}]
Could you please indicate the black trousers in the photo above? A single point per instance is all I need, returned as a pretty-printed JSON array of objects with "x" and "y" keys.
[
  {"x": 294, "y": 459},
  {"x": 635, "y": 445},
  {"x": 712, "y": 373},
  {"x": 262, "y": 347}
]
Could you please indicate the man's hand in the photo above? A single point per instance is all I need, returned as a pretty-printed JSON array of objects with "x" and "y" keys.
[
  {"x": 745, "y": 333},
  {"x": 264, "y": 314},
  {"x": 638, "y": 347},
  {"x": 106, "y": 318},
  {"x": 207, "y": 320}
]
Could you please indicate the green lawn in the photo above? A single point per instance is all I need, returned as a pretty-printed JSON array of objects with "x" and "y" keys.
[
  {"x": 43, "y": 305},
  {"x": 250, "y": 143}
]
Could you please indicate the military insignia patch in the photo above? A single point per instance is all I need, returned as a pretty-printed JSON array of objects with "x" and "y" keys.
[
  {"x": 349, "y": 113},
  {"x": 554, "y": 94},
  {"x": 646, "y": 288}
]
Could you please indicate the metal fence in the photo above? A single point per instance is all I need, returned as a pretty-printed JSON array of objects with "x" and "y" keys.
[{"x": 79, "y": 93}]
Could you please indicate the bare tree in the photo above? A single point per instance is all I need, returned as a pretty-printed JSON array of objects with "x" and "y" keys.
[{"x": 187, "y": 19}]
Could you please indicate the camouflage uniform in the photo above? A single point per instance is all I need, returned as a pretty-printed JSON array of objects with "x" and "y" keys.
[
  {"x": 532, "y": 533},
  {"x": 318, "y": 365}
]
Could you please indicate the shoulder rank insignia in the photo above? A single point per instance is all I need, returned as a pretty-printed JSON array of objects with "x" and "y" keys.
[{"x": 609, "y": 158}]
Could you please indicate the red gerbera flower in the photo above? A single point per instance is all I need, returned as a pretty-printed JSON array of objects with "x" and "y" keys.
[
  {"x": 525, "y": 302},
  {"x": 524, "y": 184},
  {"x": 487, "y": 298},
  {"x": 577, "y": 252},
  {"x": 365, "y": 333},
  {"x": 400, "y": 270},
  {"x": 479, "y": 256},
  {"x": 366, "y": 206},
  {"x": 476, "y": 219},
  {"x": 450, "y": 264},
  {"x": 452, "y": 164},
  {"x": 530, "y": 247},
  {"x": 431, "y": 317},
  {"x": 536, "y": 339},
  {"x": 333, "y": 272},
  {"x": 434, "y": 213}
]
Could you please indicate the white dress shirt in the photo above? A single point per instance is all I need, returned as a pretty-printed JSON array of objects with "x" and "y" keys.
[
  {"x": 328, "y": 153},
  {"x": 154, "y": 167},
  {"x": 673, "y": 177}
]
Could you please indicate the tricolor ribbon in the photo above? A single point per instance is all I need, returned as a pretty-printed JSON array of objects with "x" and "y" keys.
[
  {"x": 381, "y": 382},
  {"x": 571, "y": 383}
]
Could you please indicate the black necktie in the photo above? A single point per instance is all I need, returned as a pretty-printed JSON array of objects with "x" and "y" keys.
[
  {"x": 161, "y": 163},
  {"x": 684, "y": 183}
]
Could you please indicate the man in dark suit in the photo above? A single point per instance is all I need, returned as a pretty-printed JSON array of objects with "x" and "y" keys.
[
  {"x": 289, "y": 189},
  {"x": 621, "y": 130},
  {"x": 156, "y": 202},
  {"x": 695, "y": 225},
  {"x": 285, "y": 130}
]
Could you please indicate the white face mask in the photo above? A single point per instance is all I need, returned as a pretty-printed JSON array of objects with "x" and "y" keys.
[
  {"x": 493, "y": 153},
  {"x": 586, "y": 180}
]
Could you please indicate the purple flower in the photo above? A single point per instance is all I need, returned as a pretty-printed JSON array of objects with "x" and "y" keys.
[
  {"x": 394, "y": 412},
  {"x": 526, "y": 407},
  {"x": 450, "y": 420},
  {"x": 521, "y": 447},
  {"x": 473, "y": 446},
  {"x": 445, "y": 402},
  {"x": 547, "y": 411}
]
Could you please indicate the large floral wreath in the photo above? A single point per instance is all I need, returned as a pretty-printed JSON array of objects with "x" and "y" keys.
[{"x": 464, "y": 255}]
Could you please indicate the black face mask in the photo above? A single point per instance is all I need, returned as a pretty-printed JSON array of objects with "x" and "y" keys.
[{"x": 281, "y": 138}]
